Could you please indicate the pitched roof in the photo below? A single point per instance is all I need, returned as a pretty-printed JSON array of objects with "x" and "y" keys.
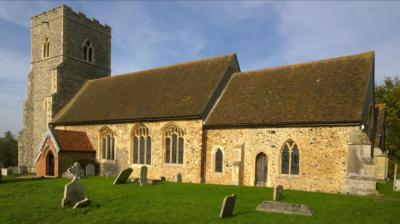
[
  {"x": 380, "y": 118},
  {"x": 321, "y": 92},
  {"x": 73, "y": 141},
  {"x": 182, "y": 90}
]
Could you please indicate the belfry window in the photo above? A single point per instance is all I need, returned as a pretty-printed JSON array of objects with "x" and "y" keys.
[
  {"x": 108, "y": 144},
  {"x": 88, "y": 51},
  {"x": 141, "y": 153},
  {"x": 174, "y": 145},
  {"x": 46, "y": 48},
  {"x": 290, "y": 158}
]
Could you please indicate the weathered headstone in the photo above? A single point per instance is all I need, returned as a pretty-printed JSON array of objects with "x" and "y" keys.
[
  {"x": 162, "y": 179},
  {"x": 228, "y": 204},
  {"x": 179, "y": 178},
  {"x": 278, "y": 193},
  {"x": 123, "y": 176},
  {"x": 153, "y": 182},
  {"x": 76, "y": 170},
  {"x": 6, "y": 171},
  {"x": 284, "y": 207},
  {"x": 23, "y": 169},
  {"x": 90, "y": 170},
  {"x": 74, "y": 191},
  {"x": 143, "y": 175}
]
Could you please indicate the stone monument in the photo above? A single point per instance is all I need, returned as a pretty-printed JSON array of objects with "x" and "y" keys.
[
  {"x": 123, "y": 176},
  {"x": 90, "y": 170},
  {"x": 278, "y": 193},
  {"x": 74, "y": 190},
  {"x": 228, "y": 204}
]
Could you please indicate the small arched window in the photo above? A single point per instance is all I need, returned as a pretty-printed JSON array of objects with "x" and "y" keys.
[
  {"x": 174, "y": 145},
  {"x": 290, "y": 158},
  {"x": 88, "y": 51},
  {"x": 46, "y": 48},
  {"x": 141, "y": 145},
  {"x": 108, "y": 144},
  {"x": 218, "y": 160}
]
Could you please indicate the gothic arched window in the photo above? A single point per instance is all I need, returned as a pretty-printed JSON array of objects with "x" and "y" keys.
[
  {"x": 218, "y": 160},
  {"x": 46, "y": 48},
  {"x": 88, "y": 51},
  {"x": 290, "y": 158},
  {"x": 174, "y": 145},
  {"x": 108, "y": 144},
  {"x": 141, "y": 153}
]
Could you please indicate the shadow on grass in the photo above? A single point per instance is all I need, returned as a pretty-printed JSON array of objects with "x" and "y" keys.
[{"x": 18, "y": 180}]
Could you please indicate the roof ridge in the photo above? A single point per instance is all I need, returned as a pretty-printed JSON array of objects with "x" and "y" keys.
[
  {"x": 305, "y": 63},
  {"x": 166, "y": 66}
]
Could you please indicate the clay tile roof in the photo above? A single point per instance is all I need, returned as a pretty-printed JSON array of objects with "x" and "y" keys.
[
  {"x": 320, "y": 92},
  {"x": 181, "y": 90},
  {"x": 73, "y": 141},
  {"x": 380, "y": 118}
]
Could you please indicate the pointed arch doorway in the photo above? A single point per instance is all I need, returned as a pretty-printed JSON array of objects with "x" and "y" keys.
[
  {"x": 261, "y": 169},
  {"x": 50, "y": 164}
]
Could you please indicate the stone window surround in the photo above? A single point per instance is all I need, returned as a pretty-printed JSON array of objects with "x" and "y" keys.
[
  {"x": 167, "y": 131},
  {"x": 104, "y": 131},
  {"x": 289, "y": 175},
  {"x": 213, "y": 153},
  {"x": 146, "y": 134},
  {"x": 46, "y": 48},
  {"x": 89, "y": 46}
]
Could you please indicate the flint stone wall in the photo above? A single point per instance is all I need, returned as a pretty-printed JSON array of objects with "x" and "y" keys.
[
  {"x": 190, "y": 169},
  {"x": 323, "y": 156}
]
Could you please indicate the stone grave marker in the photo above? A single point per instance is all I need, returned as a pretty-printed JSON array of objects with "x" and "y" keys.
[
  {"x": 179, "y": 178},
  {"x": 6, "y": 171},
  {"x": 278, "y": 193},
  {"x": 228, "y": 204},
  {"x": 90, "y": 170},
  {"x": 74, "y": 191},
  {"x": 284, "y": 207},
  {"x": 143, "y": 175},
  {"x": 23, "y": 169},
  {"x": 123, "y": 176}
]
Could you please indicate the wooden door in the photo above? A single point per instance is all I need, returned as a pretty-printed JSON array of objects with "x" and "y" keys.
[
  {"x": 261, "y": 169},
  {"x": 50, "y": 164}
]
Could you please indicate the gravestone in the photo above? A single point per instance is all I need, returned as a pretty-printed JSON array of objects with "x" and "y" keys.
[
  {"x": 90, "y": 170},
  {"x": 76, "y": 170},
  {"x": 284, "y": 207},
  {"x": 278, "y": 193},
  {"x": 123, "y": 176},
  {"x": 74, "y": 191},
  {"x": 6, "y": 171},
  {"x": 143, "y": 175},
  {"x": 162, "y": 179},
  {"x": 23, "y": 169},
  {"x": 228, "y": 204},
  {"x": 179, "y": 178}
]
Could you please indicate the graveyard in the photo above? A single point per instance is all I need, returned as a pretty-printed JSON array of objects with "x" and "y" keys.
[{"x": 39, "y": 201}]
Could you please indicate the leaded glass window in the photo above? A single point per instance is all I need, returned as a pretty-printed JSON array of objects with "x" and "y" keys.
[
  {"x": 290, "y": 158},
  {"x": 174, "y": 145}
]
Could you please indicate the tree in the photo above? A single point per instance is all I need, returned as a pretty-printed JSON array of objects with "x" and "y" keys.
[
  {"x": 8, "y": 150},
  {"x": 389, "y": 93}
]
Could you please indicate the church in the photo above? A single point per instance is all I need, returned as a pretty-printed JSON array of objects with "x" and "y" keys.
[{"x": 312, "y": 126}]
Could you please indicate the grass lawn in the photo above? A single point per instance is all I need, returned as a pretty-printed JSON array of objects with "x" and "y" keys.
[{"x": 38, "y": 201}]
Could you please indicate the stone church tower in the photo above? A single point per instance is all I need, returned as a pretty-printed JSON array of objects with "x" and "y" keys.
[{"x": 67, "y": 49}]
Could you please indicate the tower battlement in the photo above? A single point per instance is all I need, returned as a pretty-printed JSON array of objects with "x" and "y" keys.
[{"x": 68, "y": 12}]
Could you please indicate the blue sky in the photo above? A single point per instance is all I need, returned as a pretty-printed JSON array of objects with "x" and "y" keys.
[{"x": 263, "y": 34}]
